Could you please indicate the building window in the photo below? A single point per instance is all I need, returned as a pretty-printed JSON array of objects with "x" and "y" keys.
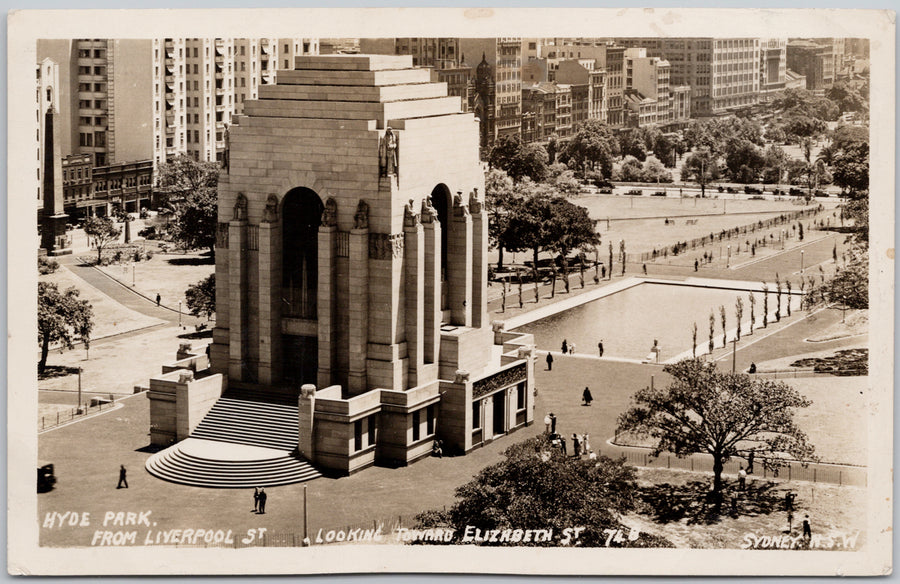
[
  {"x": 520, "y": 396},
  {"x": 416, "y": 425},
  {"x": 431, "y": 418},
  {"x": 357, "y": 435},
  {"x": 476, "y": 415}
]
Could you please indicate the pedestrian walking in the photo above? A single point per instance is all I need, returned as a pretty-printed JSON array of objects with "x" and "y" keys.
[
  {"x": 255, "y": 499},
  {"x": 572, "y": 349},
  {"x": 562, "y": 444},
  {"x": 750, "y": 458},
  {"x": 547, "y": 423},
  {"x": 552, "y": 423},
  {"x": 549, "y": 361},
  {"x": 645, "y": 265},
  {"x": 807, "y": 528},
  {"x": 262, "y": 501},
  {"x": 158, "y": 298},
  {"x": 576, "y": 445},
  {"x": 586, "y": 396},
  {"x": 696, "y": 264},
  {"x": 603, "y": 271},
  {"x": 600, "y": 347},
  {"x": 742, "y": 479},
  {"x": 565, "y": 346},
  {"x": 586, "y": 443},
  {"x": 122, "y": 477}
]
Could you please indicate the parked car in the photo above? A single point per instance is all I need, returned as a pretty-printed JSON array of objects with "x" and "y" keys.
[
  {"x": 605, "y": 190},
  {"x": 752, "y": 190},
  {"x": 46, "y": 478},
  {"x": 821, "y": 193},
  {"x": 659, "y": 194},
  {"x": 795, "y": 192},
  {"x": 635, "y": 192}
]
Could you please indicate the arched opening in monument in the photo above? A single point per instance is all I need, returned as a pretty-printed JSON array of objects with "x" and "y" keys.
[
  {"x": 442, "y": 202},
  {"x": 301, "y": 214}
]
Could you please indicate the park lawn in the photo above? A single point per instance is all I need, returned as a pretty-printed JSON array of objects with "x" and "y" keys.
[
  {"x": 166, "y": 274},
  {"x": 105, "y": 369},
  {"x": 110, "y": 317},
  {"x": 671, "y": 507}
]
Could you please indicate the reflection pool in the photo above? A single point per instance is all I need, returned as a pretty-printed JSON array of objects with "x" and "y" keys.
[{"x": 629, "y": 320}]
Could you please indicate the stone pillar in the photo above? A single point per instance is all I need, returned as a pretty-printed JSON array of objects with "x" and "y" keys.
[
  {"x": 479, "y": 260},
  {"x": 269, "y": 303},
  {"x": 325, "y": 309},
  {"x": 432, "y": 304},
  {"x": 237, "y": 306},
  {"x": 306, "y": 439},
  {"x": 358, "y": 309},
  {"x": 414, "y": 272},
  {"x": 386, "y": 365},
  {"x": 459, "y": 254}
]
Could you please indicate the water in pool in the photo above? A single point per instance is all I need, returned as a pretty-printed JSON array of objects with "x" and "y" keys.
[{"x": 630, "y": 320}]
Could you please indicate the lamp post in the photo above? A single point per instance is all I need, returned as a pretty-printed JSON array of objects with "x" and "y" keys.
[
  {"x": 132, "y": 274},
  {"x": 728, "y": 261},
  {"x": 179, "y": 313},
  {"x": 801, "y": 261},
  {"x": 79, "y": 391}
]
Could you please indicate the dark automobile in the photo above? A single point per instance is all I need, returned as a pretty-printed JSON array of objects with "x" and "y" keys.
[
  {"x": 752, "y": 190},
  {"x": 795, "y": 192},
  {"x": 46, "y": 478},
  {"x": 635, "y": 192}
]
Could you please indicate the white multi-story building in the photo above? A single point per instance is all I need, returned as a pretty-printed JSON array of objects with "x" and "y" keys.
[{"x": 200, "y": 83}]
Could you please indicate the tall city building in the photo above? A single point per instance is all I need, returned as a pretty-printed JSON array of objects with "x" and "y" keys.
[
  {"x": 813, "y": 59},
  {"x": 200, "y": 83},
  {"x": 723, "y": 73},
  {"x": 772, "y": 67},
  {"x": 649, "y": 76},
  {"x": 501, "y": 67},
  {"x": 105, "y": 97},
  {"x": 588, "y": 83}
]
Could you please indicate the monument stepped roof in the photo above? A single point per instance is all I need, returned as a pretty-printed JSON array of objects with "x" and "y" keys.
[
  {"x": 353, "y": 87},
  {"x": 353, "y": 62}
]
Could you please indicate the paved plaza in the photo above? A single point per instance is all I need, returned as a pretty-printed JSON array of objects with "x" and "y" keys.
[{"x": 88, "y": 473}]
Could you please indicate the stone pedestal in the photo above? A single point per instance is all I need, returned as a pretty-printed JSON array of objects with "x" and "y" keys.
[{"x": 306, "y": 418}]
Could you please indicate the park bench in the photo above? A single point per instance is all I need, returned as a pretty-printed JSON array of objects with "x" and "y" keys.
[{"x": 690, "y": 222}]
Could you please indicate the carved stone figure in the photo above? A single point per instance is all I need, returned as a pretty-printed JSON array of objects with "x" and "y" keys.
[
  {"x": 410, "y": 217},
  {"x": 462, "y": 376},
  {"x": 388, "y": 152},
  {"x": 460, "y": 208},
  {"x": 270, "y": 213},
  {"x": 475, "y": 205},
  {"x": 240, "y": 208},
  {"x": 226, "y": 155},
  {"x": 329, "y": 215},
  {"x": 429, "y": 213},
  {"x": 361, "y": 219}
]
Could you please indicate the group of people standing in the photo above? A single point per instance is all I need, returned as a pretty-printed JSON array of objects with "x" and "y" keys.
[
  {"x": 581, "y": 444},
  {"x": 259, "y": 500},
  {"x": 568, "y": 348}
]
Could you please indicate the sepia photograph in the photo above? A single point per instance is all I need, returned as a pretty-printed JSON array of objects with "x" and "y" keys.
[{"x": 317, "y": 296}]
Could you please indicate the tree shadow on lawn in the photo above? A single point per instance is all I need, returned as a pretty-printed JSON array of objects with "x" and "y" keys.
[
  {"x": 694, "y": 501},
  {"x": 54, "y": 371},
  {"x": 205, "y": 260}
]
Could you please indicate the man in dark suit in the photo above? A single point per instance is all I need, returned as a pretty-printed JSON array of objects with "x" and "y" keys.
[
  {"x": 262, "y": 500},
  {"x": 122, "y": 479}
]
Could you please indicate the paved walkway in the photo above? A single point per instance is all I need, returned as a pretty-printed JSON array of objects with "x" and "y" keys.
[{"x": 124, "y": 295}]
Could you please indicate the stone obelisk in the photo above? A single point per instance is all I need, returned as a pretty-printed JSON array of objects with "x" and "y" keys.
[{"x": 53, "y": 223}]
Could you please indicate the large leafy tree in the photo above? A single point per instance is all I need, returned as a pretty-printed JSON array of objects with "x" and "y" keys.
[
  {"x": 851, "y": 167},
  {"x": 201, "y": 297},
  {"x": 519, "y": 160},
  {"x": 102, "y": 232},
  {"x": 848, "y": 97},
  {"x": 536, "y": 486},
  {"x": 702, "y": 167},
  {"x": 545, "y": 221},
  {"x": 593, "y": 145},
  {"x": 744, "y": 160},
  {"x": 720, "y": 414},
  {"x": 192, "y": 189},
  {"x": 62, "y": 317},
  {"x": 501, "y": 202}
]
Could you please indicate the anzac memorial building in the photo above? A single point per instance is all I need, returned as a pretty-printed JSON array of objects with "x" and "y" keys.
[{"x": 351, "y": 273}]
